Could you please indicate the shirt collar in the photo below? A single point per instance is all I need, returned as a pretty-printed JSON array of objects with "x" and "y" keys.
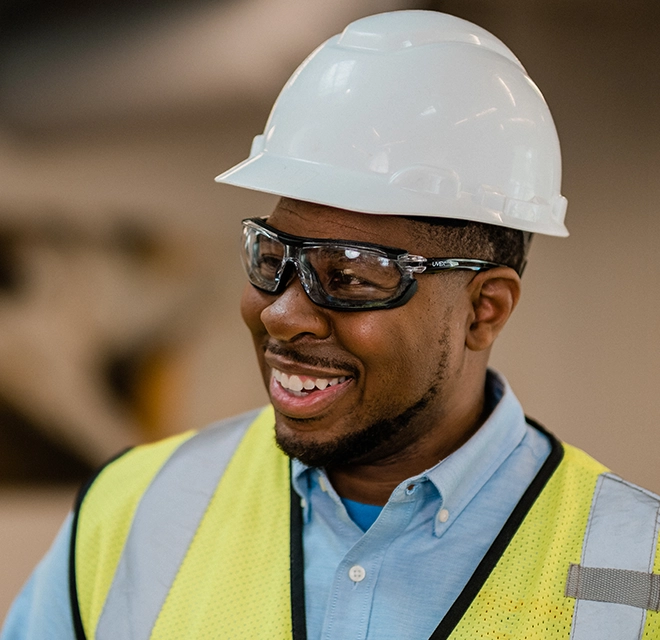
[{"x": 460, "y": 476}]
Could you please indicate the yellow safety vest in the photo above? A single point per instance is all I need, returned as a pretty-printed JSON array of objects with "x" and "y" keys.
[{"x": 215, "y": 560}]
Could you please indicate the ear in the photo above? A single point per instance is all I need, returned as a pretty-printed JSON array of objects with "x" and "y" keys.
[{"x": 494, "y": 295}]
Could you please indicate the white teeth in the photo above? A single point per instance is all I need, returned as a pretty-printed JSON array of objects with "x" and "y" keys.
[{"x": 296, "y": 385}]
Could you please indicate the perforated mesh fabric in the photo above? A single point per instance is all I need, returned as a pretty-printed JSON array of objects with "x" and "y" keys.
[
  {"x": 105, "y": 518},
  {"x": 652, "y": 627},
  {"x": 524, "y": 595},
  {"x": 234, "y": 581}
]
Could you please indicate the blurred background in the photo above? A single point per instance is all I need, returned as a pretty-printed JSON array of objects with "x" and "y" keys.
[{"x": 119, "y": 276}]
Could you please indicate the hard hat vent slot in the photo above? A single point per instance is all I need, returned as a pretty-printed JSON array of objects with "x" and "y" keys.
[
  {"x": 443, "y": 183},
  {"x": 530, "y": 211},
  {"x": 490, "y": 199}
]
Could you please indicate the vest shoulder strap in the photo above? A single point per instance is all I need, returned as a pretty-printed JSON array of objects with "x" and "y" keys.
[
  {"x": 234, "y": 581},
  {"x": 614, "y": 585},
  {"x": 116, "y": 517}
]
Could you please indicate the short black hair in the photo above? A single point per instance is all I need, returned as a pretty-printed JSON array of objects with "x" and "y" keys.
[{"x": 478, "y": 240}]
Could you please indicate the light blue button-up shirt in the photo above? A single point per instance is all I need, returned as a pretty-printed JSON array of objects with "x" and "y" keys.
[
  {"x": 400, "y": 577},
  {"x": 394, "y": 581}
]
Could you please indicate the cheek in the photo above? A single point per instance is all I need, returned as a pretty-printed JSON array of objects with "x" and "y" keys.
[
  {"x": 404, "y": 347},
  {"x": 252, "y": 305},
  {"x": 391, "y": 351}
]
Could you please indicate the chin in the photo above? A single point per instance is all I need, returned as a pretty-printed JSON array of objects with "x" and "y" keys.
[
  {"x": 309, "y": 452},
  {"x": 378, "y": 440}
]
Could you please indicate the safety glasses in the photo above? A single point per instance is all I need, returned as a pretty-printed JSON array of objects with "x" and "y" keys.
[{"x": 339, "y": 274}]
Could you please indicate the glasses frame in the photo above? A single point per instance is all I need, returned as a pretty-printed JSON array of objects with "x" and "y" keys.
[{"x": 408, "y": 264}]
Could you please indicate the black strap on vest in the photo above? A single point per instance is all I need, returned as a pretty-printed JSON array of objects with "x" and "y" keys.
[
  {"x": 297, "y": 570},
  {"x": 478, "y": 578},
  {"x": 73, "y": 589}
]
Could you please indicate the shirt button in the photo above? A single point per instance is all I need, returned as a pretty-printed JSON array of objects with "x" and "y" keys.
[
  {"x": 443, "y": 515},
  {"x": 357, "y": 573}
]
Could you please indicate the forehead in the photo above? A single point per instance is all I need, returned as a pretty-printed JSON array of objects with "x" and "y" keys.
[{"x": 319, "y": 221}]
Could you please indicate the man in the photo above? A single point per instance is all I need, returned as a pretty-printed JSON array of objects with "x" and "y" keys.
[{"x": 414, "y": 499}]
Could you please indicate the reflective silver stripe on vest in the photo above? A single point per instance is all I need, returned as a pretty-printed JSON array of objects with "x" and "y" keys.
[
  {"x": 621, "y": 535},
  {"x": 165, "y": 522}
]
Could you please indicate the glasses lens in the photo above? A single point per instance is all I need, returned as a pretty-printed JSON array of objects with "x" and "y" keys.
[
  {"x": 334, "y": 275},
  {"x": 352, "y": 274},
  {"x": 263, "y": 258}
]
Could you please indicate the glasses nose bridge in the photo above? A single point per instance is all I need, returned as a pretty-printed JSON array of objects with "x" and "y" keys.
[
  {"x": 291, "y": 265},
  {"x": 290, "y": 257},
  {"x": 291, "y": 252}
]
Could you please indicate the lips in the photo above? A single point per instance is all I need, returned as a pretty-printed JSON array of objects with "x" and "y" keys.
[{"x": 301, "y": 396}]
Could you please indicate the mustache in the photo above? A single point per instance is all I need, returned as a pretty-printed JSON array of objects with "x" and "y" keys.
[{"x": 311, "y": 360}]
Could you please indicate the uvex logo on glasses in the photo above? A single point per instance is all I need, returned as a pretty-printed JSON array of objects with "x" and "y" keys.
[{"x": 339, "y": 274}]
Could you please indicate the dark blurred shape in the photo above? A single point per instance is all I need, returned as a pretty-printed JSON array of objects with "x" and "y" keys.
[
  {"x": 28, "y": 457},
  {"x": 122, "y": 372},
  {"x": 137, "y": 379},
  {"x": 19, "y": 15},
  {"x": 10, "y": 278}
]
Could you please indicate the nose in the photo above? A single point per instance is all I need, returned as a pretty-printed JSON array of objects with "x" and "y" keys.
[{"x": 292, "y": 314}]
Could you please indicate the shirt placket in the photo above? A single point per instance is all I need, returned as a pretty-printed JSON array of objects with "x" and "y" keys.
[{"x": 353, "y": 589}]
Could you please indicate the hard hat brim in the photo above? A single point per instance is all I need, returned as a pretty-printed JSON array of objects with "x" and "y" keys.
[{"x": 374, "y": 194}]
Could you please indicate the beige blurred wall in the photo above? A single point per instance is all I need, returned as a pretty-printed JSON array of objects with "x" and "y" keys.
[{"x": 582, "y": 349}]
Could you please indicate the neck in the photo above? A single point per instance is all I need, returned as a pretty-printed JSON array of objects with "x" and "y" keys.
[{"x": 373, "y": 481}]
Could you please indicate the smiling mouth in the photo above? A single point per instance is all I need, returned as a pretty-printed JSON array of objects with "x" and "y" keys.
[{"x": 301, "y": 386}]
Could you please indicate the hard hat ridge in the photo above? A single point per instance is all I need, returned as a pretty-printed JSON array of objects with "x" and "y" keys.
[
  {"x": 389, "y": 32},
  {"x": 413, "y": 113}
]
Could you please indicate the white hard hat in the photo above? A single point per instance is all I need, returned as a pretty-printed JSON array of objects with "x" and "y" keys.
[{"x": 413, "y": 113}]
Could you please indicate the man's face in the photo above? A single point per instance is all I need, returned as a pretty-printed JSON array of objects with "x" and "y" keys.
[{"x": 373, "y": 382}]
